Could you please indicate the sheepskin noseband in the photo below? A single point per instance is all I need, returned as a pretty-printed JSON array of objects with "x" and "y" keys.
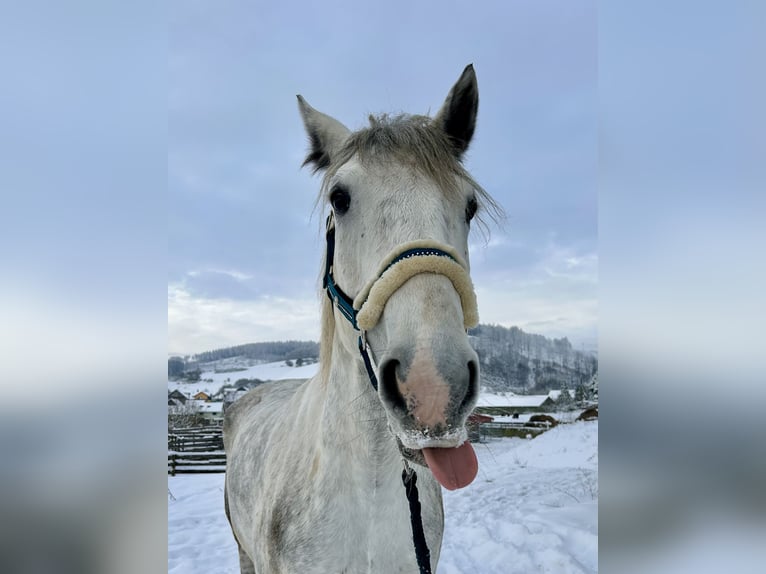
[{"x": 397, "y": 269}]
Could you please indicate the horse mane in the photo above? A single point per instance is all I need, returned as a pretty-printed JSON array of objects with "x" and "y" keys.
[
  {"x": 412, "y": 140},
  {"x": 327, "y": 333}
]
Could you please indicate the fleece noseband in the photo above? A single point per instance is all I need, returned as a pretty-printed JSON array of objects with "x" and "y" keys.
[{"x": 405, "y": 261}]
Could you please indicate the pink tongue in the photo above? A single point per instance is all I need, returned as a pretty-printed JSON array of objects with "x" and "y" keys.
[{"x": 453, "y": 467}]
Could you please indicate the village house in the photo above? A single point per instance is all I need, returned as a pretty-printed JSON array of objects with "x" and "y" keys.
[
  {"x": 176, "y": 398},
  {"x": 211, "y": 412},
  {"x": 200, "y": 409},
  {"x": 511, "y": 403}
]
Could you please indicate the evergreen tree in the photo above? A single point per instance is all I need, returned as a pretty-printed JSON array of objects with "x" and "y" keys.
[
  {"x": 176, "y": 367},
  {"x": 580, "y": 394}
]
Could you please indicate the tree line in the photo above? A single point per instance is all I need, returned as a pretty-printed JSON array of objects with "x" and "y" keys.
[
  {"x": 269, "y": 351},
  {"x": 510, "y": 359}
]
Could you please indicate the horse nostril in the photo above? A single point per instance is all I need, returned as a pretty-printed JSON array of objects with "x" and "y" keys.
[
  {"x": 389, "y": 387},
  {"x": 473, "y": 387}
]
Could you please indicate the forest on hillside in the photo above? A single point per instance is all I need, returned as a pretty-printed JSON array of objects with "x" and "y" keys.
[
  {"x": 510, "y": 359},
  {"x": 267, "y": 352}
]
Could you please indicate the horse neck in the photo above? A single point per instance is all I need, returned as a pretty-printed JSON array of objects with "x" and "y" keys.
[{"x": 353, "y": 415}]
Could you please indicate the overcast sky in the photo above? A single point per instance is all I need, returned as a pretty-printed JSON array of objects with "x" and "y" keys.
[{"x": 244, "y": 242}]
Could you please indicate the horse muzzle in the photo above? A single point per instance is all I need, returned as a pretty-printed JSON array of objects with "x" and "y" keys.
[
  {"x": 428, "y": 398},
  {"x": 428, "y": 377},
  {"x": 428, "y": 402}
]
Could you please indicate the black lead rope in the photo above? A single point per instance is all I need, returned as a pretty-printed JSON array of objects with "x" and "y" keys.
[
  {"x": 422, "y": 553},
  {"x": 345, "y": 305}
]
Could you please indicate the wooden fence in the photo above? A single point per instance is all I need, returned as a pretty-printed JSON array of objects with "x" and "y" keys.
[
  {"x": 199, "y": 450},
  {"x": 196, "y": 450},
  {"x": 201, "y": 463},
  {"x": 520, "y": 429},
  {"x": 195, "y": 439}
]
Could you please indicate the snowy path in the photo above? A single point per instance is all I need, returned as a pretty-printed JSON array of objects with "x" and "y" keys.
[{"x": 532, "y": 508}]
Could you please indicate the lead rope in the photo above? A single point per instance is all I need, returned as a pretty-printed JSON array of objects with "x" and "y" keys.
[
  {"x": 422, "y": 553},
  {"x": 409, "y": 477}
]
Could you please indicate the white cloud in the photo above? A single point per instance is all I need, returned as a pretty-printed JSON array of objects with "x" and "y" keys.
[
  {"x": 552, "y": 314},
  {"x": 564, "y": 262},
  {"x": 555, "y": 297},
  {"x": 233, "y": 273},
  {"x": 198, "y": 324}
]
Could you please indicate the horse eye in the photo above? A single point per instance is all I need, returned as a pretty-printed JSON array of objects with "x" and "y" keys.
[
  {"x": 470, "y": 209},
  {"x": 340, "y": 200}
]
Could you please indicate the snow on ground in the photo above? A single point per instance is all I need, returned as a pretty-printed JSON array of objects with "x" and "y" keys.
[
  {"x": 532, "y": 508},
  {"x": 199, "y": 537},
  {"x": 210, "y": 381}
]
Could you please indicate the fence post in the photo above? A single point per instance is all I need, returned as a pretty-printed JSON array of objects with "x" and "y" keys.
[{"x": 173, "y": 465}]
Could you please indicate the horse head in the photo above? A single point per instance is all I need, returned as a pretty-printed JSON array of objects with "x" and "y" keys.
[{"x": 401, "y": 208}]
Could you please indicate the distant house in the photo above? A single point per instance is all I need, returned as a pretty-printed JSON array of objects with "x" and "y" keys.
[
  {"x": 182, "y": 411},
  {"x": 188, "y": 412},
  {"x": 232, "y": 396},
  {"x": 511, "y": 403},
  {"x": 211, "y": 412},
  {"x": 198, "y": 411},
  {"x": 176, "y": 398}
]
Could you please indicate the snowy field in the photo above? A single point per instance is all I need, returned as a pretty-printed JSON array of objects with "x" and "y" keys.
[
  {"x": 532, "y": 508},
  {"x": 210, "y": 381}
]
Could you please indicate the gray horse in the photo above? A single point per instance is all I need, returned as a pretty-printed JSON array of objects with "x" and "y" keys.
[{"x": 314, "y": 472}]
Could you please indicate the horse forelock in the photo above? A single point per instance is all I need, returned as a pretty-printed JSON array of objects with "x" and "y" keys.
[{"x": 413, "y": 141}]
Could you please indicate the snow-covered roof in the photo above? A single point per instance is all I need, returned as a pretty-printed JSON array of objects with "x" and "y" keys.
[
  {"x": 510, "y": 400},
  {"x": 216, "y": 407},
  {"x": 204, "y": 406}
]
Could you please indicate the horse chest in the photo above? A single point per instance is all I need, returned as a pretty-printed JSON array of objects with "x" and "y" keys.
[{"x": 360, "y": 526}]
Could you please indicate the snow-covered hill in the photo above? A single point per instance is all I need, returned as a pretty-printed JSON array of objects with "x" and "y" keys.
[{"x": 210, "y": 380}]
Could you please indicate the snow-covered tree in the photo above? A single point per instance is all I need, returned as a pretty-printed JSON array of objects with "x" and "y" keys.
[
  {"x": 581, "y": 394},
  {"x": 592, "y": 387}
]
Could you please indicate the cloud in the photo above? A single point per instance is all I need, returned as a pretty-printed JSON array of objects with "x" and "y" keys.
[
  {"x": 554, "y": 315},
  {"x": 198, "y": 323},
  {"x": 551, "y": 292},
  {"x": 233, "y": 273}
]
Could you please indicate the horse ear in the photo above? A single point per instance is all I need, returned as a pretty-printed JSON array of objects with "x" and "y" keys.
[
  {"x": 457, "y": 116},
  {"x": 326, "y": 135}
]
